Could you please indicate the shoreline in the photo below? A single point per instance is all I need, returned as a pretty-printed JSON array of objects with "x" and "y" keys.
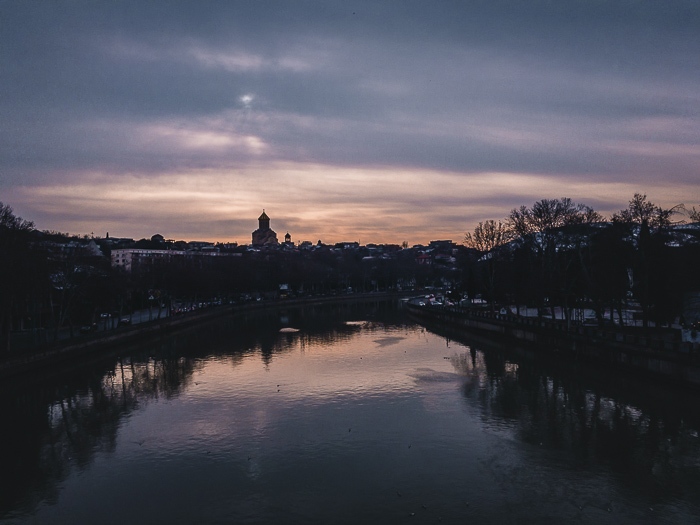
[
  {"x": 65, "y": 351},
  {"x": 660, "y": 357}
]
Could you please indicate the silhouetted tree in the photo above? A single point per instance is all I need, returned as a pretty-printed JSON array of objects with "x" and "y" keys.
[
  {"x": 640, "y": 210},
  {"x": 693, "y": 214},
  {"x": 540, "y": 230},
  {"x": 604, "y": 263},
  {"x": 646, "y": 226},
  {"x": 16, "y": 269},
  {"x": 487, "y": 239}
]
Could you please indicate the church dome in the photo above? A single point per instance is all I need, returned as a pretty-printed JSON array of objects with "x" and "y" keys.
[{"x": 264, "y": 234}]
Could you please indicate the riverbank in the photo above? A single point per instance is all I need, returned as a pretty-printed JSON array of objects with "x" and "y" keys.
[
  {"x": 85, "y": 344},
  {"x": 659, "y": 353}
]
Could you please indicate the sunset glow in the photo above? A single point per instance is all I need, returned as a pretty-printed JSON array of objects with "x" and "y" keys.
[{"x": 342, "y": 127}]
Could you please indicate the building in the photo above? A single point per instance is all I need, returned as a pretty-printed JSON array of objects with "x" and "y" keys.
[
  {"x": 264, "y": 235},
  {"x": 133, "y": 260}
]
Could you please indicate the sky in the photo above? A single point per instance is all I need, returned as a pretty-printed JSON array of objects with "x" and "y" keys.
[{"x": 371, "y": 121}]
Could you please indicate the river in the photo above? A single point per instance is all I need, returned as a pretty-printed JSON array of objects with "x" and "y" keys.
[{"x": 345, "y": 414}]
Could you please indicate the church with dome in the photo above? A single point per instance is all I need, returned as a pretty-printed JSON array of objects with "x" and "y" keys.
[{"x": 264, "y": 235}]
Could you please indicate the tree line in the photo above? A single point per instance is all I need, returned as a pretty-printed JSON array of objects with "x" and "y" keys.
[
  {"x": 52, "y": 284},
  {"x": 560, "y": 253},
  {"x": 556, "y": 253}
]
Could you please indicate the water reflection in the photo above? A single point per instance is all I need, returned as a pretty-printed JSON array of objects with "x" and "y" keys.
[
  {"x": 645, "y": 435},
  {"x": 354, "y": 415},
  {"x": 60, "y": 420}
]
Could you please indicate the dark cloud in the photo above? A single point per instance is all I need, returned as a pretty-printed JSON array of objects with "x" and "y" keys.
[{"x": 596, "y": 90}]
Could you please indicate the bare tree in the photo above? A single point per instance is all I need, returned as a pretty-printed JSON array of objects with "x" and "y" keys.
[
  {"x": 539, "y": 230},
  {"x": 488, "y": 238},
  {"x": 640, "y": 211},
  {"x": 14, "y": 268},
  {"x": 549, "y": 214},
  {"x": 693, "y": 214},
  {"x": 10, "y": 223},
  {"x": 650, "y": 264}
]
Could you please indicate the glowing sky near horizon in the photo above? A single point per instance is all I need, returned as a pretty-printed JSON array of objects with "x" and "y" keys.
[{"x": 374, "y": 121}]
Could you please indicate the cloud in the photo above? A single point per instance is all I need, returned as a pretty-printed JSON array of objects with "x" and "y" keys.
[
  {"x": 385, "y": 111},
  {"x": 311, "y": 201}
]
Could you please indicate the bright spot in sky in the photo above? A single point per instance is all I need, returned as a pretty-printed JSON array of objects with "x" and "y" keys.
[{"x": 190, "y": 121}]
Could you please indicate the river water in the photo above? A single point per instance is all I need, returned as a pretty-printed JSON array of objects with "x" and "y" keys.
[{"x": 350, "y": 414}]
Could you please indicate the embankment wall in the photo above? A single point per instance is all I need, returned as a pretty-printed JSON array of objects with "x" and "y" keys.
[
  {"x": 662, "y": 354},
  {"x": 89, "y": 343}
]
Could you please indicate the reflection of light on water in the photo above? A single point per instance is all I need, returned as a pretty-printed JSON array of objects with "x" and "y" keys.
[
  {"x": 313, "y": 422},
  {"x": 388, "y": 341},
  {"x": 429, "y": 375},
  {"x": 511, "y": 369}
]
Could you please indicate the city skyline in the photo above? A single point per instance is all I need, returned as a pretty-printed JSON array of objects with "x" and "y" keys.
[{"x": 345, "y": 121}]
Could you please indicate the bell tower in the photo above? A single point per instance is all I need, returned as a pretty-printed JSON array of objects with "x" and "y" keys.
[
  {"x": 264, "y": 235},
  {"x": 264, "y": 221}
]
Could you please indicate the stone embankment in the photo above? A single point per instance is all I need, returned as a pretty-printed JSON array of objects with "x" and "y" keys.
[
  {"x": 48, "y": 355},
  {"x": 659, "y": 353}
]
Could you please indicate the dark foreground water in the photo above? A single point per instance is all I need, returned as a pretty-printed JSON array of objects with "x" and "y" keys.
[{"x": 359, "y": 417}]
